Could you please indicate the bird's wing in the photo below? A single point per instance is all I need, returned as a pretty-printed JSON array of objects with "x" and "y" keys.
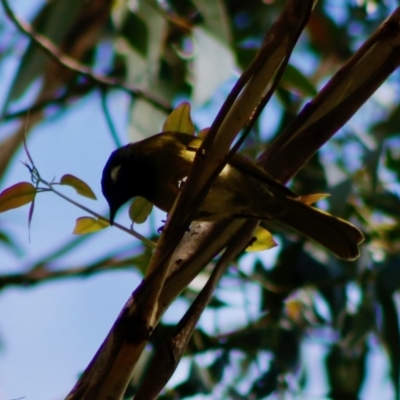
[{"x": 248, "y": 167}]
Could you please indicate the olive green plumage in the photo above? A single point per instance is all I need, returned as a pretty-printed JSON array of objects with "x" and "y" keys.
[{"x": 154, "y": 168}]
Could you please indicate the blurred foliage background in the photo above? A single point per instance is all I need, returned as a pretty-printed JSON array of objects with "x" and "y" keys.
[{"x": 159, "y": 53}]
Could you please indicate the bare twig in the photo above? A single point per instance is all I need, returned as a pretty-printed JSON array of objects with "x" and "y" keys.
[
  {"x": 49, "y": 186},
  {"x": 69, "y": 63},
  {"x": 132, "y": 232},
  {"x": 36, "y": 107},
  {"x": 69, "y": 94},
  {"x": 43, "y": 274}
]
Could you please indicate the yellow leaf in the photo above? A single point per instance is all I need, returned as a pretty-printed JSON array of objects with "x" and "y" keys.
[
  {"x": 310, "y": 199},
  {"x": 264, "y": 240},
  {"x": 139, "y": 210},
  {"x": 81, "y": 187},
  {"x": 86, "y": 225},
  {"x": 16, "y": 196},
  {"x": 294, "y": 309},
  {"x": 179, "y": 120}
]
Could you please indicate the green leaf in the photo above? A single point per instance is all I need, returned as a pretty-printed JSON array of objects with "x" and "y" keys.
[
  {"x": 133, "y": 28},
  {"x": 53, "y": 21},
  {"x": 139, "y": 210},
  {"x": 16, "y": 196},
  {"x": 85, "y": 225},
  {"x": 142, "y": 54},
  {"x": 212, "y": 66},
  {"x": 215, "y": 18},
  {"x": 81, "y": 187},
  {"x": 145, "y": 40},
  {"x": 145, "y": 120},
  {"x": 179, "y": 120}
]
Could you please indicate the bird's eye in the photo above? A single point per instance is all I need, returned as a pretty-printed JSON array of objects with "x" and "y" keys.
[{"x": 115, "y": 172}]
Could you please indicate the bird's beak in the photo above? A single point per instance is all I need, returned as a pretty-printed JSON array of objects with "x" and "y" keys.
[{"x": 113, "y": 212}]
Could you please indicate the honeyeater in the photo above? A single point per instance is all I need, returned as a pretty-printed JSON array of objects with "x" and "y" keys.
[{"x": 154, "y": 168}]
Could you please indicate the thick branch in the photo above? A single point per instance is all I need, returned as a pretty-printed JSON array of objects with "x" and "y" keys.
[
  {"x": 337, "y": 102},
  {"x": 110, "y": 370}
]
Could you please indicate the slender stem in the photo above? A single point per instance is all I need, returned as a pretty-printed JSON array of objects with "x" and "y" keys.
[
  {"x": 132, "y": 232},
  {"x": 37, "y": 179}
]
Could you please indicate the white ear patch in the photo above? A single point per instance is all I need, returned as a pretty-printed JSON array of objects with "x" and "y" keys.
[{"x": 115, "y": 173}]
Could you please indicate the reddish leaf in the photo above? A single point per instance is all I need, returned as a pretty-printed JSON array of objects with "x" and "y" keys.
[{"x": 16, "y": 196}]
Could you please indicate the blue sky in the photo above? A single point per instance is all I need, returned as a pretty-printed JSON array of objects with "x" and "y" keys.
[{"x": 56, "y": 327}]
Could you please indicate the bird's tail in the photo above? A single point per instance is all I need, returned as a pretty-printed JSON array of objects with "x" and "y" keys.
[{"x": 335, "y": 234}]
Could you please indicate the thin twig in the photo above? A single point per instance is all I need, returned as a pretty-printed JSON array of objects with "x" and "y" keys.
[
  {"x": 71, "y": 64},
  {"x": 42, "y": 274},
  {"x": 37, "y": 179},
  {"x": 36, "y": 107},
  {"x": 98, "y": 216},
  {"x": 68, "y": 94}
]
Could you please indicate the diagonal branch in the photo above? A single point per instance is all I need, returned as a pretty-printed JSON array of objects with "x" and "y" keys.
[
  {"x": 45, "y": 102},
  {"x": 233, "y": 116},
  {"x": 43, "y": 274},
  {"x": 337, "y": 102},
  {"x": 170, "y": 353},
  {"x": 109, "y": 372}
]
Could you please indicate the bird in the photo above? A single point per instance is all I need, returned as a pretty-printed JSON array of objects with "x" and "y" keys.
[{"x": 156, "y": 167}]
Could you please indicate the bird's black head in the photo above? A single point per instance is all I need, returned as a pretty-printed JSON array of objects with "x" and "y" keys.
[{"x": 124, "y": 176}]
